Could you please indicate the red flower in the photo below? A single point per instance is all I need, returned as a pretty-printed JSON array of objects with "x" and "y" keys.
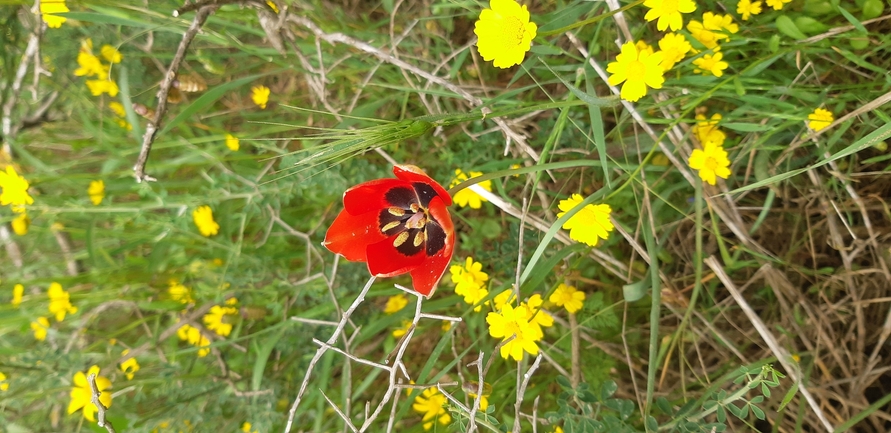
[{"x": 397, "y": 226}]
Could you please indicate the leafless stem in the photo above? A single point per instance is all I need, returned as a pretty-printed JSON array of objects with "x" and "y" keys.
[
  {"x": 521, "y": 390},
  {"x": 101, "y": 421},
  {"x": 321, "y": 351},
  {"x": 154, "y": 126}
]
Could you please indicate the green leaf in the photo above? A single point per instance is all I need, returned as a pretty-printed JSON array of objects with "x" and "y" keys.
[
  {"x": 635, "y": 291},
  {"x": 854, "y": 21},
  {"x": 263, "y": 351},
  {"x": 608, "y": 389},
  {"x": 787, "y": 27}
]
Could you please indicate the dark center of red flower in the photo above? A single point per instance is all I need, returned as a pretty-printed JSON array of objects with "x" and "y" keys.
[{"x": 407, "y": 218}]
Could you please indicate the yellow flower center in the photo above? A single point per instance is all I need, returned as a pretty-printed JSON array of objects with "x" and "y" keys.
[
  {"x": 711, "y": 163},
  {"x": 513, "y": 30},
  {"x": 637, "y": 71}
]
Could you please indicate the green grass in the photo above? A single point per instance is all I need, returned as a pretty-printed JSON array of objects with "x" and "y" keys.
[{"x": 799, "y": 227}]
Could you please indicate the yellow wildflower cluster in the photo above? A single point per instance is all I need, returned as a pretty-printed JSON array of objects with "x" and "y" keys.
[
  {"x": 4, "y": 385},
  {"x": 82, "y": 394},
  {"x": 121, "y": 114},
  {"x": 820, "y": 119},
  {"x": 48, "y": 11},
  {"x": 203, "y": 218},
  {"x": 130, "y": 366},
  {"x": 194, "y": 337},
  {"x": 521, "y": 325},
  {"x": 232, "y": 142},
  {"x": 96, "y": 191},
  {"x": 17, "y": 292},
  {"x": 40, "y": 328},
  {"x": 260, "y": 96},
  {"x": 468, "y": 197},
  {"x": 179, "y": 292},
  {"x": 430, "y": 403},
  {"x": 395, "y": 303},
  {"x": 218, "y": 320},
  {"x": 60, "y": 303},
  {"x": 14, "y": 190},
  {"x": 470, "y": 282},
  {"x": 91, "y": 66}
]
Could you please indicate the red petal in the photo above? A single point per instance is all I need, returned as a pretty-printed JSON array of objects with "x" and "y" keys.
[
  {"x": 350, "y": 234},
  {"x": 411, "y": 173},
  {"x": 369, "y": 196},
  {"x": 427, "y": 275},
  {"x": 384, "y": 260}
]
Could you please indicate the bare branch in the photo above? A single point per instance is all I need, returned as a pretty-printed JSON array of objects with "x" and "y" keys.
[
  {"x": 154, "y": 125},
  {"x": 94, "y": 389}
]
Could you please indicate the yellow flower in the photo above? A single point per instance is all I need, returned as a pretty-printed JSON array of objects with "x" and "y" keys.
[
  {"x": 4, "y": 385},
  {"x": 260, "y": 96},
  {"x": 17, "y": 292},
  {"x": 710, "y": 64},
  {"x": 203, "y": 218},
  {"x": 232, "y": 142},
  {"x": 705, "y": 36},
  {"x": 246, "y": 427},
  {"x": 274, "y": 9},
  {"x": 124, "y": 124},
  {"x": 82, "y": 394},
  {"x": 674, "y": 47},
  {"x": 820, "y": 119},
  {"x": 777, "y": 4},
  {"x": 720, "y": 23},
  {"x": 399, "y": 332},
  {"x": 470, "y": 282},
  {"x": 15, "y": 190},
  {"x": 395, "y": 303},
  {"x": 216, "y": 321},
  {"x": 430, "y": 403},
  {"x": 668, "y": 12},
  {"x": 21, "y": 223},
  {"x": 505, "y": 33},
  {"x": 117, "y": 108},
  {"x": 179, "y": 292},
  {"x": 130, "y": 366},
  {"x": 644, "y": 47},
  {"x": 446, "y": 326},
  {"x": 467, "y": 196},
  {"x": 59, "y": 302},
  {"x": 747, "y": 8},
  {"x": 509, "y": 322},
  {"x": 484, "y": 400},
  {"x": 194, "y": 337},
  {"x": 568, "y": 297},
  {"x": 471, "y": 271},
  {"x": 535, "y": 315},
  {"x": 96, "y": 191},
  {"x": 503, "y": 298},
  {"x": 558, "y": 429},
  {"x": 40, "y": 327},
  {"x": 48, "y": 9},
  {"x": 111, "y": 54},
  {"x": 98, "y": 87},
  {"x": 711, "y": 161},
  {"x": 90, "y": 65},
  {"x": 707, "y": 130},
  {"x": 637, "y": 70},
  {"x": 589, "y": 224}
]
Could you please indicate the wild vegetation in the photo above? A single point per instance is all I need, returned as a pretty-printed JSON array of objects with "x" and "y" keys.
[{"x": 648, "y": 216}]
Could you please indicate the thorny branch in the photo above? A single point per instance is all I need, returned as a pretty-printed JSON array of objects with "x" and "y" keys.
[{"x": 154, "y": 125}]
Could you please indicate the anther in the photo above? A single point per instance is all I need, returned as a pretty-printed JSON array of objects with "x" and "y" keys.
[
  {"x": 400, "y": 239},
  {"x": 419, "y": 238},
  {"x": 395, "y": 211},
  {"x": 389, "y": 226}
]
